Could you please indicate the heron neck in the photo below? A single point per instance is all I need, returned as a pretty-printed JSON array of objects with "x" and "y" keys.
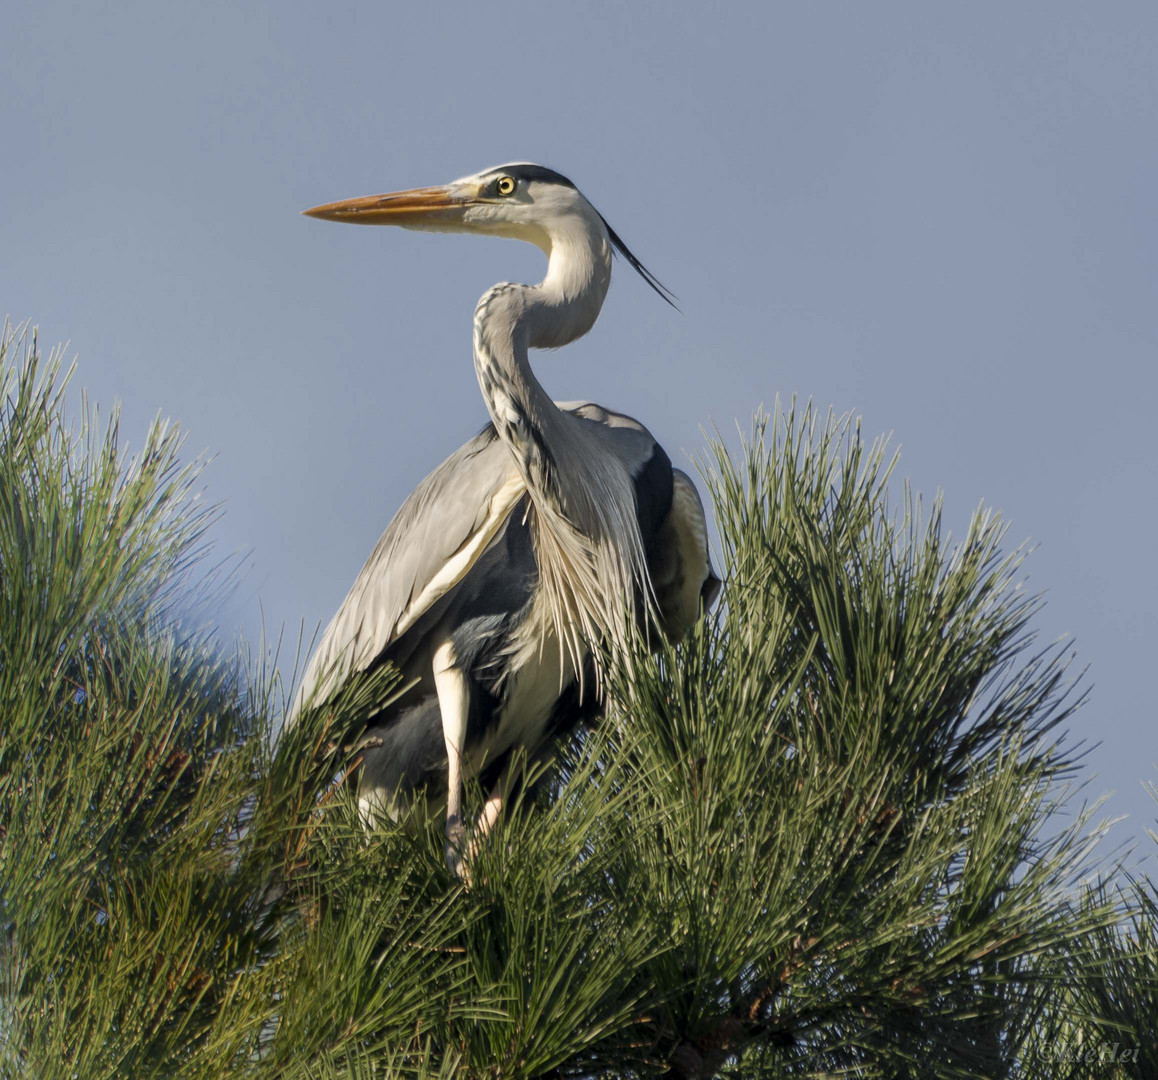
[
  {"x": 525, "y": 417},
  {"x": 565, "y": 305},
  {"x": 583, "y": 517},
  {"x": 510, "y": 319}
]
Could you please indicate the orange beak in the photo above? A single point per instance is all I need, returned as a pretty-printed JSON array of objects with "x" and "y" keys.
[{"x": 420, "y": 207}]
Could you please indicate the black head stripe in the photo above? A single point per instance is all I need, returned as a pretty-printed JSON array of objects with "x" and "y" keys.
[
  {"x": 525, "y": 170},
  {"x": 664, "y": 292}
]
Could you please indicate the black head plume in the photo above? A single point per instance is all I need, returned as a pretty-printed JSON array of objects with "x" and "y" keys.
[{"x": 664, "y": 292}]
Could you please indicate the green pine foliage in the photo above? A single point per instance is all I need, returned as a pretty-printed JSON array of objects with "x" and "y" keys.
[{"x": 813, "y": 840}]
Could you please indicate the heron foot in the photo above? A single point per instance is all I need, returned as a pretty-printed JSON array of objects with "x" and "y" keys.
[{"x": 455, "y": 848}]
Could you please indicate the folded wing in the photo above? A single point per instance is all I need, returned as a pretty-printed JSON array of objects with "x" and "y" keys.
[{"x": 437, "y": 535}]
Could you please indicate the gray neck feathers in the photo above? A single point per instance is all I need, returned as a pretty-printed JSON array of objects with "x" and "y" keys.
[{"x": 584, "y": 523}]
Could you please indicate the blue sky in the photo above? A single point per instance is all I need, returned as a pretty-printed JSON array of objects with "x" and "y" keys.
[{"x": 940, "y": 217}]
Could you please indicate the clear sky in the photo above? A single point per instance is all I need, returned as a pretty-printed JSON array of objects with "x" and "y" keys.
[{"x": 940, "y": 216}]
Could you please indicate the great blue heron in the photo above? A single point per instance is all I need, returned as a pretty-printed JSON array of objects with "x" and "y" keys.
[{"x": 550, "y": 531}]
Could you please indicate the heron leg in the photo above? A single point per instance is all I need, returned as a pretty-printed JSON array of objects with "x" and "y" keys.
[
  {"x": 500, "y": 795},
  {"x": 486, "y": 820},
  {"x": 453, "y": 703},
  {"x": 490, "y": 812}
]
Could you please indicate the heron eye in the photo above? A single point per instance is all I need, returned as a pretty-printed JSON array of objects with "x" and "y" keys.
[{"x": 505, "y": 185}]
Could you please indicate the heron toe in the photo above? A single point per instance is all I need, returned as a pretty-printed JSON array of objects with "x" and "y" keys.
[{"x": 455, "y": 846}]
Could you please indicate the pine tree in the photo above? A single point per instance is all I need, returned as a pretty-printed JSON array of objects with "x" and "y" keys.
[{"x": 813, "y": 840}]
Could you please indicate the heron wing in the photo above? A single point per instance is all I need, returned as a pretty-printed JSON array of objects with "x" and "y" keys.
[
  {"x": 439, "y": 532},
  {"x": 683, "y": 578}
]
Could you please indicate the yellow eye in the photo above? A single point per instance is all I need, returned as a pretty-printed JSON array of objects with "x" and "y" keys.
[{"x": 505, "y": 185}]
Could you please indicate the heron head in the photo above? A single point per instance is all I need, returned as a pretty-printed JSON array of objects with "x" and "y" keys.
[
  {"x": 523, "y": 201},
  {"x": 520, "y": 200}
]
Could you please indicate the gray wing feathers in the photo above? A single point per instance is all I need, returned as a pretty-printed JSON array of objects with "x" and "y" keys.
[
  {"x": 684, "y": 581},
  {"x": 624, "y": 436},
  {"x": 432, "y": 541}
]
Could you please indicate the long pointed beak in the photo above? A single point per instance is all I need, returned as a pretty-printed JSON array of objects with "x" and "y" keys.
[{"x": 417, "y": 207}]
